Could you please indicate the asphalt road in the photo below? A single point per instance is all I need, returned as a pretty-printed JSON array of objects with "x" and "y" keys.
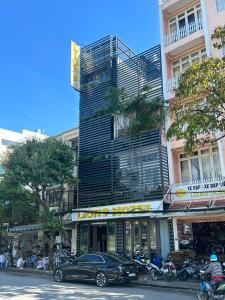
[{"x": 23, "y": 287}]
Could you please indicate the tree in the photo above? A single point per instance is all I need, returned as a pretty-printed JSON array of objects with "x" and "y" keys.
[
  {"x": 38, "y": 165},
  {"x": 136, "y": 114},
  {"x": 52, "y": 224},
  {"x": 19, "y": 204},
  {"x": 201, "y": 120}
]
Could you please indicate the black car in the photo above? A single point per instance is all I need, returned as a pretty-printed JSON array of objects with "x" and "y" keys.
[{"x": 102, "y": 268}]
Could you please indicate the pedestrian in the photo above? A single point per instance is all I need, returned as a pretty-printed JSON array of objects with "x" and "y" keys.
[
  {"x": 2, "y": 261},
  {"x": 20, "y": 262}
]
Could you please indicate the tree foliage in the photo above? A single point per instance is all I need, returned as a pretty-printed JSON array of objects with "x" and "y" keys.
[
  {"x": 137, "y": 113},
  {"x": 17, "y": 205},
  {"x": 200, "y": 120},
  {"x": 37, "y": 165}
]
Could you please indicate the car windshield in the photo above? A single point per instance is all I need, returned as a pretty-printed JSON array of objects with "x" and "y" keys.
[{"x": 116, "y": 259}]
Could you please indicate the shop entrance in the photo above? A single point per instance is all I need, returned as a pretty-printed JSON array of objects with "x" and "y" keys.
[
  {"x": 98, "y": 237},
  {"x": 209, "y": 237}
]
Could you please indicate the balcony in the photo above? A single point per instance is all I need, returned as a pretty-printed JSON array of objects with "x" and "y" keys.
[
  {"x": 183, "y": 32},
  {"x": 172, "y": 84}
]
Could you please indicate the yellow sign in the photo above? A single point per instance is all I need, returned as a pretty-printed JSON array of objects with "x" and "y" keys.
[
  {"x": 117, "y": 211},
  {"x": 75, "y": 66}
]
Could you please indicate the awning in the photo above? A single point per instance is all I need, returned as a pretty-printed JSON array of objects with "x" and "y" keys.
[
  {"x": 24, "y": 228},
  {"x": 198, "y": 204}
]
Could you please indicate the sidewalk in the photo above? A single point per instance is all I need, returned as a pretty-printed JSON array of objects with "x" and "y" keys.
[
  {"x": 29, "y": 271},
  {"x": 144, "y": 280}
]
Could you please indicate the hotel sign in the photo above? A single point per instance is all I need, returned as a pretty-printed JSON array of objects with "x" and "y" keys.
[
  {"x": 127, "y": 210},
  {"x": 75, "y": 66},
  {"x": 204, "y": 190}
]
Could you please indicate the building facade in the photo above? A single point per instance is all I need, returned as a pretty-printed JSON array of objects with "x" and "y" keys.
[
  {"x": 121, "y": 180},
  {"x": 197, "y": 191},
  {"x": 22, "y": 237},
  {"x": 64, "y": 201},
  {"x": 9, "y": 137}
]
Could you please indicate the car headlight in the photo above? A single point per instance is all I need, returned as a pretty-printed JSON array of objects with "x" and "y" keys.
[{"x": 120, "y": 269}]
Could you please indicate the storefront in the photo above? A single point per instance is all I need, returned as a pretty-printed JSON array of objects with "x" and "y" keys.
[
  {"x": 199, "y": 217},
  {"x": 123, "y": 228}
]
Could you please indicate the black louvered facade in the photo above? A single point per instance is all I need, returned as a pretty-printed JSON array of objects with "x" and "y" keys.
[{"x": 114, "y": 170}]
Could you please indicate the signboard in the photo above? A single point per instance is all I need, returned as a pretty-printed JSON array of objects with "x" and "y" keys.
[
  {"x": 75, "y": 66},
  {"x": 203, "y": 190},
  {"x": 127, "y": 210}
]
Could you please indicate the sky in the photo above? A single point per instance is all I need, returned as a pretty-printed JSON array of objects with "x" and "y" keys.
[{"x": 35, "y": 39}]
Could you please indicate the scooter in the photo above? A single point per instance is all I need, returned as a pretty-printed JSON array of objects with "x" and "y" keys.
[
  {"x": 209, "y": 291},
  {"x": 188, "y": 270},
  {"x": 167, "y": 271}
]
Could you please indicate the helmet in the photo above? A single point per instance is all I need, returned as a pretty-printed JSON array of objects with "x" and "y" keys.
[{"x": 213, "y": 257}]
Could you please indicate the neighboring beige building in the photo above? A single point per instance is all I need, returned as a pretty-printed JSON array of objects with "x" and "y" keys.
[
  {"x": 9, "y": 137},
  {"x": 69, "y": 202},
  {"x": 197, "y": 181}
]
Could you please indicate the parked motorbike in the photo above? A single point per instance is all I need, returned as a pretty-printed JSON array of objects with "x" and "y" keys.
[
  {"x": 188, "y": 270},
  {"x": 140, "y": 262},
  {"x": 209, "y": 291},
  {"x": 167, "y": 271}
]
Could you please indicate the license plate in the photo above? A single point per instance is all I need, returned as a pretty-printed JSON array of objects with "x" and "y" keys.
[{"x": 131, "y": 274}]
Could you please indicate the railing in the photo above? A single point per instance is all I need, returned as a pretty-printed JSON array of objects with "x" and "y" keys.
[
  {"x": 161, "y": 2},
  {"x": 182, "y": 32},
  {"x": 172, "y": 83},
  {"x": 220, "y": 5}
]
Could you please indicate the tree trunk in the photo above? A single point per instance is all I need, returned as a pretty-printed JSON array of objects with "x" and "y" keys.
[{"x": 51, "y": 250}]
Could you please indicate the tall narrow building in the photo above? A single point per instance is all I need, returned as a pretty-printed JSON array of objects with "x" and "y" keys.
[
  {"x": 197, "y": 192},
  {"x": 122, "y": 180}
]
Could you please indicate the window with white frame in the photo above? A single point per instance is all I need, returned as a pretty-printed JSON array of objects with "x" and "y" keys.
[
  {"x": 204, "y": 164},
  {"x": 185, "y": 19},
  {"x": 180, "y": 65}
]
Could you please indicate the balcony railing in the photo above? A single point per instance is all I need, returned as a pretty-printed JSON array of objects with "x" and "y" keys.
[
  {"x": 172, "y": 83},
  {"x": 182, "y": 32},
  {"x": 220, "y": 5}
]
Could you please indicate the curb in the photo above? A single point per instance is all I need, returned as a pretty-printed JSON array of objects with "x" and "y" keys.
[
  {"x": 29, "y": 271},
  {"x": 165, "y": 286}
]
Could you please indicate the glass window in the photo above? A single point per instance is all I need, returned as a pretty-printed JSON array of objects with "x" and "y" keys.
[
  {"x": 128, "y": 249},
  {"x": 216, "y": 163},
  {"x": 184, "y": 171},
  {"x": 136, "y": 236},
  {"x": 144, "y": 234},
  {"x": 203, "y": 165},
  {"x": 83, "y": 238},
  {"x": 111, "y": 246},
  {"x": 8, "y": 142},
  {"x": 220, "y": 5},
  {"x": 2, "y": 170},
  {"x": 195, "y": 169},
  {"x": 153, "y": 237},
  {"x": 83, "y": 259},
  {"x": 95, "y": 258}
]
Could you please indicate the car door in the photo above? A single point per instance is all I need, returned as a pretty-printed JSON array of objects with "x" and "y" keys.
[
  {"x": 95, "y": 263},
  {"x": 77, "y": 269}
]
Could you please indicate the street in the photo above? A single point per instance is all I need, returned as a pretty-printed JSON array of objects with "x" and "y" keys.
[{"x": 32, "y": 287}]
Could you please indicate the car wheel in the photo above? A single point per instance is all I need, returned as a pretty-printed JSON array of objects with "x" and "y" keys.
[
  {"x": 101, "y": 279},
  {"x": 59, "y": 275}
]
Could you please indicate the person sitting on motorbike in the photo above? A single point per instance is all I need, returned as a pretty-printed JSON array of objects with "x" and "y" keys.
[{"x": 215, "y": 269}]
